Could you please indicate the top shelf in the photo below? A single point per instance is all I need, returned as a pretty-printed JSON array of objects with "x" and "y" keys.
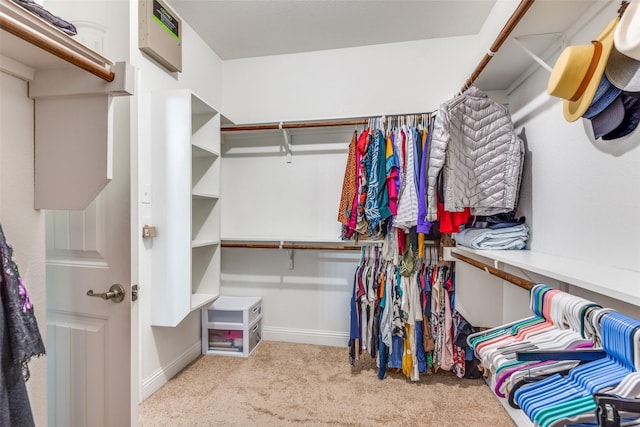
[
  {"x": 618, "y": 283},
  {"x": 29, "y": 40}
]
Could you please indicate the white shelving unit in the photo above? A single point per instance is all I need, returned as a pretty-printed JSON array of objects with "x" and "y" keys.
[
  {"x": 185, "y": 206},
  {"x": 618, "y": 283},
  {"x": 72, "y": 87}
]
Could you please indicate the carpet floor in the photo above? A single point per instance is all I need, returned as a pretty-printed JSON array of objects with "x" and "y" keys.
[{"x": 284, "y": 384}]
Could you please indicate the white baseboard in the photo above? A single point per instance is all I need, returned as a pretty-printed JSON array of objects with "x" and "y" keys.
[
  {"x": 306, "y": 336},
  {"x": 517, "y": 415},
  {"x": 162, "y": 375}
]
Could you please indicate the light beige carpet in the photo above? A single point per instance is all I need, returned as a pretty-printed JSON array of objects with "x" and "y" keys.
[{"x": 283, "y": 384}]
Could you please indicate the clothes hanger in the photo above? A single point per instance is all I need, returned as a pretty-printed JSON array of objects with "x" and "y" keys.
[
  {"x": 475, "y": 339},
  {"x": 505, "y": 381},
  {"x": 538, "y": 386},
  {"x": 508, "y": 372},
  {"x": 552, "y": 339},
  {"x": 522, "y": 331},
  {"x": 618, "y": 332},
  {"x": 609, "y": 411}
]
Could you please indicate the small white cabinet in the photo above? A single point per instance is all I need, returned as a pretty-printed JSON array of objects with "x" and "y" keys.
[{"x": 185, "y": 206}]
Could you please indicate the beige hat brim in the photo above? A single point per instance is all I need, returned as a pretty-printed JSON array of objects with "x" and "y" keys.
[{"x": 573, "y": 110}]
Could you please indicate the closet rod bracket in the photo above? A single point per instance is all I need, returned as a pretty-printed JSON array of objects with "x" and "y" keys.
[
  {"x": 287, "y": 141},
  {"x": 289, "y": 253},
  {"x": 535, "y": 57}
]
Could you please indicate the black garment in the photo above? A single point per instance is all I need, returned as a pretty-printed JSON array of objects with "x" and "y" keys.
[
  {"x": 19, "y": 341},
  {"x": 43, "y": 13}
]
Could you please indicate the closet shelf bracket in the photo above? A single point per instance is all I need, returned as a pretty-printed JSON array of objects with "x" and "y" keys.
[
  {"x": 531, "y": 54},
  {"x": 290, "y": 253},
  {"x": 287, "y": 141}
]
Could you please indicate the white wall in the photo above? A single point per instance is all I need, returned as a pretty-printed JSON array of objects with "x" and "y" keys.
[
  {"x": 22, "y": 224},
  {"x": 578, "y": 194},
  {"x": 582, "y": 203},
  {"x": 395, "y": 78},
  {"x": 265, "y": 197},
  {"x": 165, "y": 351}
]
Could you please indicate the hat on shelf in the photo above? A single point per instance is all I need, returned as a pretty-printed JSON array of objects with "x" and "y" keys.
[
  {"x": 631, "y": 102},
  {"x": 608, "y": 119},
  {"x": 578, "y": 70},
  {"x": 605, "y": 94},
  {"x": 627, "y": 35},
  {"x": 623, "y": 71}
]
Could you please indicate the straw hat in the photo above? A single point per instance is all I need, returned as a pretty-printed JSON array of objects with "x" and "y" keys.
[
  {"x": 627, "y": 35},
  {"x": 578, "y": 70}
]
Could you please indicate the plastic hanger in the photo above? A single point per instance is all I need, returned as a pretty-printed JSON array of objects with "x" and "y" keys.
[
  {"x": 557, "y": 397},
  {"x": 550, "y": 340},
  {"x": 476, "y": 339},
  {"x": 523, "y": 332}
]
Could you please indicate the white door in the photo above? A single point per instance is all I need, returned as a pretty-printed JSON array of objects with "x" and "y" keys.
[{"x": 88, "y": 338}]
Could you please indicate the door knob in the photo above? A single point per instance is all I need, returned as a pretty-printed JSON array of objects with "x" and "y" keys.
[{"x": 115, "y": 294}]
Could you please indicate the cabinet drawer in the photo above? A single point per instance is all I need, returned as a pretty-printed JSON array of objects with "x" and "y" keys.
[
  {"x": 228, "y": 309},
  {"x": 226, "y": 340},
  {"x": 255, "y": 335},
  {"x": 254, "y": 312},
  {"x": 232, "y": 342}
]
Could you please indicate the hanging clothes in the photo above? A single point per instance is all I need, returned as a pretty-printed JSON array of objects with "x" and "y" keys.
[
  {"x": 386, "y": 181},
  {"x": 364, "y": 162},
  {"x": 377, "y": 198},
  {"x": 392, "y": 175},
  {"x": 402, "y": 314},
  {"x": 349, "y": 184},
  {"x": 475, "y": 146},
  {"x": 20, "y": 340},
  {"x": 402, "y": 304},
  {"x": 408, "y": 199}
]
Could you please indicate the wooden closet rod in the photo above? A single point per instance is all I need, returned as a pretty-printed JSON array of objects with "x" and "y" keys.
[
  {"x": 518, "y": 281},
  {"x": 299, "y": 125},
  {"x": 349, "y": 122},
  {"x": 517, "y": 15},
  {"x": 289, "y": 246},
  {"x": 24, "y": 32}
]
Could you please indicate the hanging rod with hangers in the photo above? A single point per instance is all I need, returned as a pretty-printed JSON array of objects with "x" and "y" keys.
[
  {"x": 327, "y": 246},
  {"x": 290, "y": 246},
  {"x": 317, "y": 124}
]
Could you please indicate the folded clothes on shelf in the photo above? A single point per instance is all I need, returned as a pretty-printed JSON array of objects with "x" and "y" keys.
[
  {"x": 43, "y": 13},
  {"x": 494, "y": 238}
]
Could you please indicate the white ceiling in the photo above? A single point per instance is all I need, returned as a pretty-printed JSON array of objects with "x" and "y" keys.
[{"x": 249, "y": 28}]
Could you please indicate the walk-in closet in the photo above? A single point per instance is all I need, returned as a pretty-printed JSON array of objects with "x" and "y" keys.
[{"x": 318, "y": 212}]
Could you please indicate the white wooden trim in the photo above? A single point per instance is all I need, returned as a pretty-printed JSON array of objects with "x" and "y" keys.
[
  {"x": 305, "y": 336},
  {"x": 161, "y": 376}
]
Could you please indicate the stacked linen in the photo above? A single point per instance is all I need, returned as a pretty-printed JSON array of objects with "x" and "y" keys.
[{"x": 514, "y": 237}]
